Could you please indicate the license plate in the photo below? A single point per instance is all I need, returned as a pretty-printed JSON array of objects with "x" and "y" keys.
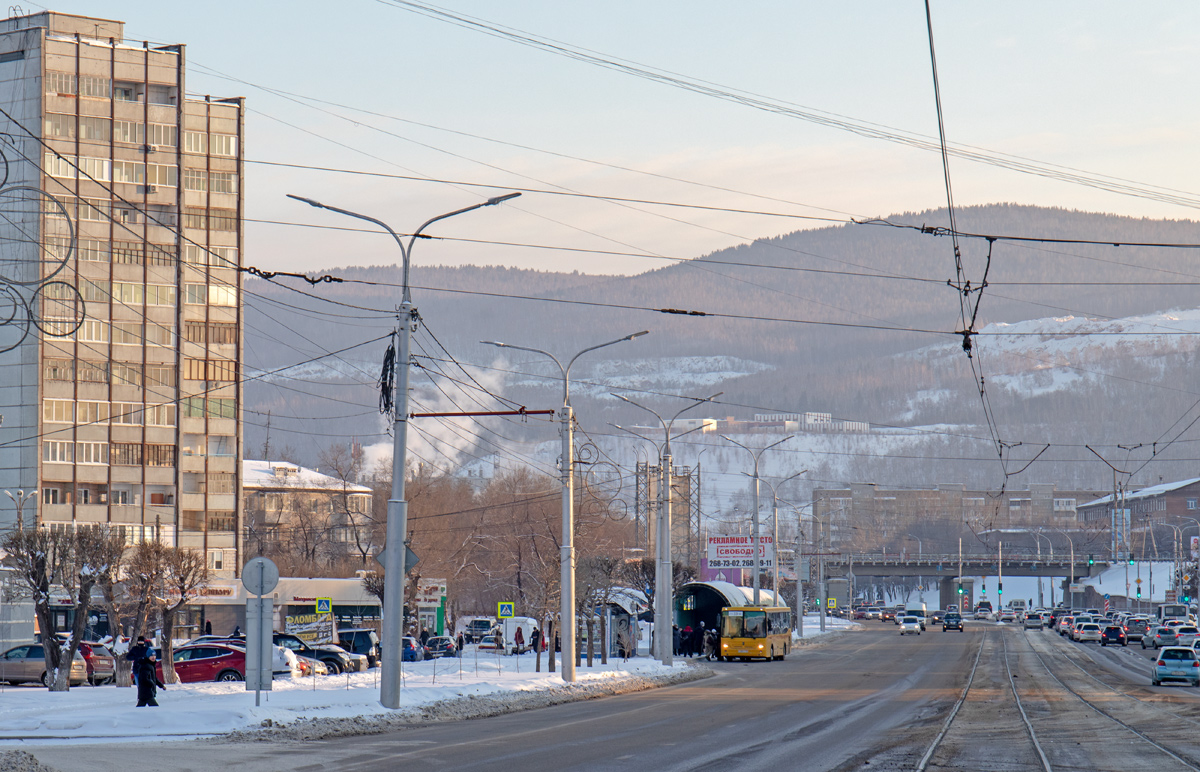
[
  {"x": 743, "y": 651},
  {"x": 1178, "y": 672}
]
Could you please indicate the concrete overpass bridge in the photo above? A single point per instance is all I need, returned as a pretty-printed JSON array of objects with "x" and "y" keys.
[{"x": 946, "y": 568}]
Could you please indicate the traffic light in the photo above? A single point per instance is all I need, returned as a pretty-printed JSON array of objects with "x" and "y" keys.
[
  {"x": 1091, "y": 560},
  {"x": 1187, "y": 598},
  {"x": 1139, "y": 591},
  {"x": 1000, "y": 588},
  {"x": 1131, "y": 558},
  {"x": 960, "y": 589}
]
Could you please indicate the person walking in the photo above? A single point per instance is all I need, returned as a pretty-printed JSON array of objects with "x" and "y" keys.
[
  {"x": 688, "y": 642},
  {"x": 676, "y": 639},
  {"x": 424, "y": 637},
  {"x": 208, "y": 627},
  {"x": 136, "y": 654},
  {"x": 535, "y": 639},
  {"x": 460, "y": 642},
  {"x": 147, "y": 680},
  {"x": 518, "y": 640}
]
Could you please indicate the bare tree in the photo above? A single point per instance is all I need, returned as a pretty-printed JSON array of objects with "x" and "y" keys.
[
  {"x": 74, "y": 560},
  {"x": 184, "y": 573}
]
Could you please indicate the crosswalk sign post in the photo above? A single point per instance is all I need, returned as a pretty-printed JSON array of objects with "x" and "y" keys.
[
  {"x": 504, "y": 609},
  {"x": 324, "y": 605}
]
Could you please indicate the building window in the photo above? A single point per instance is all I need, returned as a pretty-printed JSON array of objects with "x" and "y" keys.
[
  {"x": 215, "y": 559},
  {"x": 222, "y": 144},
  {"x": 220, "y": 445},
  {"x": 131, "y": 172},
  {"x": 59, "y": 125},
  {"x": 158, "y": 94},
  {"x": 160, "y": 455},
  {"x": 160, "y": 376},
  {"x": 92, "y": 331},
  {"x": 163, "y": 134},
  {"x": 209, "y": 370},
  {"x": 162, "y": 174},
  {"x": 160, "y": 415},
  {"x": 191, "y": 520},
  {"x": 58, "y": 452},
  {"x": 91, "y": 453},
  {"x": 1191, "y": 503},
  {"x": 87, "y": 413},
  {"x": 220, "y": 521},
  {"x": 127, "y": 413},
  {"x": 195, "y": 142},
  {"x": 125, "y": 454},
  {"x": 92, "y": 372},
  {"x": 119, "y": 496},
  {"x": 221, "y": 482},
  {"x": 130, "y": 132},
  {"x": 127, "y": 374},
  {"x": 50, "y": 495},
  {"x": 195, "y": 179},
  {"x": 98, "y": 129},
  {"x": 195, "y": 294},
  {"x": 58, "y": 411},
  {"x": 58, "y": 370},
  {"x": 222, "y": 182},
  {"x": 124, "y": 91},
  {"x": 60, "y": 83}
]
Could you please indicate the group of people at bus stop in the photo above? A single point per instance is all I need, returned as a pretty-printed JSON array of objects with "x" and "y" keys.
[{"x": 698, "y": 642}]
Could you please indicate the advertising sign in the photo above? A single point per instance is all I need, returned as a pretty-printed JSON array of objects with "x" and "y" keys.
[
  {"x": 1195, "y": 547},
  {"x": 311, "y": 628},
  {"x": 737, "y": 551}
]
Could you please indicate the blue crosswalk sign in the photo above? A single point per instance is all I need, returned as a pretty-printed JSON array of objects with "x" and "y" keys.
[
  {"x": 504, "y": 610},
  {"x": 324, "y": 605}
]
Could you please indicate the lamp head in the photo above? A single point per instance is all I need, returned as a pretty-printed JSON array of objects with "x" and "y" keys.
[
  {"x": 636, "y": 335},
  {"x": 308, "y": 201},
  {"x": 494, "y": 343},
  {"x": 501, "y": 199}
]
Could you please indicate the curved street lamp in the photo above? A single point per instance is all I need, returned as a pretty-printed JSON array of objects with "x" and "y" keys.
[
  {"x": 566, "y": 558},
  {"x": 393, "y": 553},
  {"x": 756, "y": 455},
  {"x": 664, "y": 595}
]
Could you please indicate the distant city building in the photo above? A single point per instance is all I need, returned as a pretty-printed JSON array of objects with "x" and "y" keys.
[
  {"x": 281, "y": 498},
  {"x": 122, "y": 404}
]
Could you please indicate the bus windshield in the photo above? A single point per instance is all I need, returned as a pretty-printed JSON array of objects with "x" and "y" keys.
[{"x": 744, "y": 624}]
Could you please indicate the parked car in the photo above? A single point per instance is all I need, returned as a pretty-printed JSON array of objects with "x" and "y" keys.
[
  {"x": 1113, "y": 634},
  {"x": 208, "y": 662},
  {"x": 1176, "y": 663},
  {"x": 334, "y": 657},
  {"x": 412, "y": 650},
  {"x": 909, "y": 625},
  {"x": 490, "y": 643},
  {"x": 361, "y": 641},
  {"x": 308, "y": 667},
  {"x": 27, "y": 664},
  {"x": 1088, "y": 631},
  {"x": 952, "y": 621},
  {"x": 101, "y": 663},
  {"x": 441, "y": 646}
]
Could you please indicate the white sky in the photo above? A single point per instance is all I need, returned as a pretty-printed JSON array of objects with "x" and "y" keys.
[{"x": 1105, "y": 87}]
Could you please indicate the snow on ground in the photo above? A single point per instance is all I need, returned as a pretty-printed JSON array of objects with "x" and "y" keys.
[
  {"x": 187, "y": 710},
  {"x": 31, "y": 714},
  {"x": 812, "y": 626}
]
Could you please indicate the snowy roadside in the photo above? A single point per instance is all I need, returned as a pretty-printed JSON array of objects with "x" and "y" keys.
[{"x": 340, "y": 704}]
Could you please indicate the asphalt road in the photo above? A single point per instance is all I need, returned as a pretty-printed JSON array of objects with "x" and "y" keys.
[{"x": 870, "y": 696}]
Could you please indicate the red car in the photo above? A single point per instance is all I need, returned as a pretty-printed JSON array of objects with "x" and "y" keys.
[{"x": 208, "y": 662}]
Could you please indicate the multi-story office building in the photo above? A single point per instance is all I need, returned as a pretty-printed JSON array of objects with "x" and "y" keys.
[{"x": 122, "y": 405}]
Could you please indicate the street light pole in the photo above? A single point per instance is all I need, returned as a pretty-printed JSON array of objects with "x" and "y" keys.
[
  {"x": 664, "y": 574},
  {"x": 566, "y": 558},
  {"x": 1071, "y": 580},
  {"x": 393, "y": 556},
  {"x": 798, "y": 563},
  {"x": 20, "y": 500},
  {"x": 755, "y": 538},
  {"x": 775, "y": 532}
]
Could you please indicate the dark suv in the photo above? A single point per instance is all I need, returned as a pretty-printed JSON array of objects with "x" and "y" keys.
[
  {"x": 952, "y": 621},
  {"x": 361, "y": 641}
]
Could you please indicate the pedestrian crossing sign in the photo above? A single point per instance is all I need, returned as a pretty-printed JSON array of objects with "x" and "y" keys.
[
  {"x": 504, "y": 610},
  {"x": 324, "y": 605}
]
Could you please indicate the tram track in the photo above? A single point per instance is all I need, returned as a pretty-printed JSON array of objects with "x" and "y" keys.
[{"x": 1042, "y": 719}]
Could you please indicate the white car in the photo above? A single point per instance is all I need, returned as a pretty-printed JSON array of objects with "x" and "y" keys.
[
  {"x": 1088, "y": 631},
  {"x": 910, "y": 625},
  {"x": 1033, "y": 621}
]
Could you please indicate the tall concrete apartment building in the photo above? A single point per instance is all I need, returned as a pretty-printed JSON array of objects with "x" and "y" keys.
[{"x": 122, "y": 405}]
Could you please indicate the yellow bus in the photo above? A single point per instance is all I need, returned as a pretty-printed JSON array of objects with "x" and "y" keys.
[{"x": 755, "y": 632}]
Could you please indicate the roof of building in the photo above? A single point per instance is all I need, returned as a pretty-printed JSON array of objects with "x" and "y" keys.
[
  {"x": 1146, "y": 493},
  {"x": 278, "y": 475}
]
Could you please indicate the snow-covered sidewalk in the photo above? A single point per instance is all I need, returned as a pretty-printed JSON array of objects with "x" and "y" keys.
[{"x": 92, "y": 714}]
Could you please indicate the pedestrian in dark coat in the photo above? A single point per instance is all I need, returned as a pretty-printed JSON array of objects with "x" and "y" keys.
[
  {"x": 424, "y": 637},
  {"x": 147, "y": 681},
  {"x": 676, "y": 639},
  {"x": 459, "y": 643},
  {"x": 136, "y": 654}
]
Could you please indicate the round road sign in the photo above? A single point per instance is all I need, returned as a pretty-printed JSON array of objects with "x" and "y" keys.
[{"x": 260, "y": 576}]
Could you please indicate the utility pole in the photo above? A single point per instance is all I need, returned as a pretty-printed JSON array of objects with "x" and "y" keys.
[{"x": 395, "y": 544}]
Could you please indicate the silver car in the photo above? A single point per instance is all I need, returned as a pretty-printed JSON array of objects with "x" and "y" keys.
[
  {"x": 27, "y": 664},
  {"x": 1186, "y": 635},
  {"x": 910, "y": 625},
  {"x": 1033, "y": 621}
]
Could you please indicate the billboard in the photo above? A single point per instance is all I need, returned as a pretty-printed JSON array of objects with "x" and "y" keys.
[{"x": 736, "y": 551}]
